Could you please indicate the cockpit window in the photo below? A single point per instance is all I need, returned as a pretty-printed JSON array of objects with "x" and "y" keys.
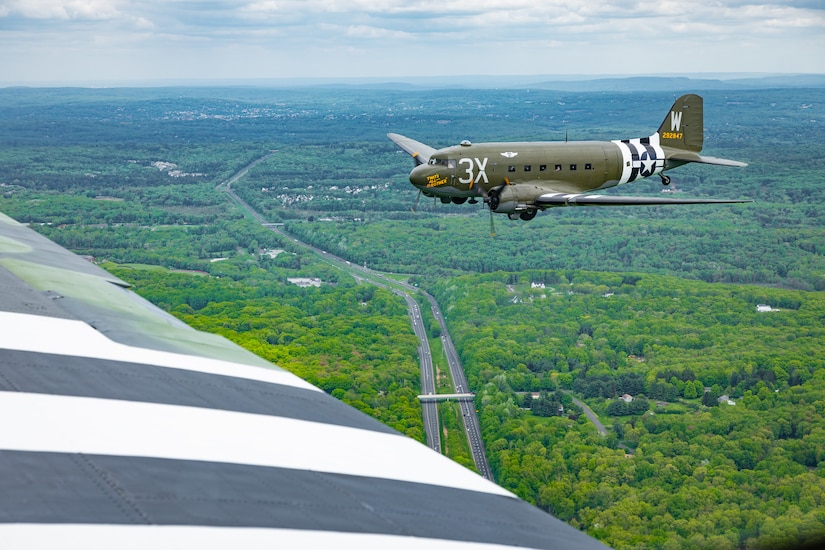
[{"x": 449, "y": 163}]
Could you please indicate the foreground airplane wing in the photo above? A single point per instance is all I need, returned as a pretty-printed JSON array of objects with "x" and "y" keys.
[
  {"x": 562, "y": 199},
  {"x": 124, "y": 428}
]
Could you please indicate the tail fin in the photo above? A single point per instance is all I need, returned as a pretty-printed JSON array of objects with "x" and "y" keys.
[
  {"x": 683, "y": 128},
  {"x": 682, "y": 134}
]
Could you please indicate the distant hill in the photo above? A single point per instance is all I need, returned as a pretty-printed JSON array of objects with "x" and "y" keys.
[
  {"x": 571, "y": 83},
  {"x": 566, "y": 83},
  {"x": 667, "y": 84}
]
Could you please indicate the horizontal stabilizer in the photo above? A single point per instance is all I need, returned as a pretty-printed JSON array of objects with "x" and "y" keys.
[
  {"x": 692, "y": 157},
  {"x": 561, "y": 199},
  {"x": 420, "y": 152}
]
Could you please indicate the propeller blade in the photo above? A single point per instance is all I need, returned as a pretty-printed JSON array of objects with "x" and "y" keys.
[
  {"x": 417, "y": 198},
  {"x": 486, "y": 197}
]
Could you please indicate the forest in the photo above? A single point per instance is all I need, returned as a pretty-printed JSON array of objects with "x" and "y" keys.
[
  {"x": 675, "y": 456},
  {"x": 720, "y": 444}
]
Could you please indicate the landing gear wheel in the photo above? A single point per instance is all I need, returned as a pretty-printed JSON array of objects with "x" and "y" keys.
[
  {"x": 665, "y": 179},
  {"x": 528, "y": 214},
  {"x": 459, "y": 200}
]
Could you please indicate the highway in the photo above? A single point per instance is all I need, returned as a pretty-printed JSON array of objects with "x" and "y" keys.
[
  {"x": 429, "y": 409},
  {"x": 472, "y": 427}
]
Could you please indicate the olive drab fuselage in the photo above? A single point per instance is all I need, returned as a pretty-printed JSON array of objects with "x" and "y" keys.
[{"x": 567, "y": 167}]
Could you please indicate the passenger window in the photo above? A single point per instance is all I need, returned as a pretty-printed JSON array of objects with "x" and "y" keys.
[
  {"x": 588, "y": 166},
  {"x": 542, "y": 168},
  {"x": 558, "y": 168},
  {"x": 511, "y": 168},
  {"x": 572, "y": 166},
  {"x": 528, "y": 168}
]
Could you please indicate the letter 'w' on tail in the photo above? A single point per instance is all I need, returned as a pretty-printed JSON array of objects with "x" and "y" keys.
[{"x": 683, "y": 127}]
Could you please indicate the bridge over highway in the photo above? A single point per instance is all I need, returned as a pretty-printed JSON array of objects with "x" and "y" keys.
[{"x": 447, "y": 397}]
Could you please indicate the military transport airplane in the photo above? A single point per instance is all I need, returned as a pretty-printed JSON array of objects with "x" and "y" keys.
[
  {"x": 521, "y": 178},
  {"x": 122, "y": 427}
]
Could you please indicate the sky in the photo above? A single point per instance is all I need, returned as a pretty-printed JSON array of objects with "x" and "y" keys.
[{"x": 102, "y": 42}]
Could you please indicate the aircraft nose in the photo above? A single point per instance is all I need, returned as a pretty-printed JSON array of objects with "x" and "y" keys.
[{"x": 419, "y": 175}]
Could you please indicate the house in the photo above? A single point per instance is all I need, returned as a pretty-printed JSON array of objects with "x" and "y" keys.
[
  {"x": 627, "y": 398},
  {"x": 726, "y": 400},
  {"x": 304, "y": 281},
  {"x": 762, "y": 308}
]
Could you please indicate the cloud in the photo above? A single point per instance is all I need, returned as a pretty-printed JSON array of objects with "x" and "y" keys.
[
  {"x": 463, "y": 17},
  {"x": 369, "y": 32},
  {"x": 61, "y": 9},
  {"x": 234, "y": 37}
]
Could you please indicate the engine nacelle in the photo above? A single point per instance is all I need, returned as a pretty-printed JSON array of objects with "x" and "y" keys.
[{"x": 512, "y": 199}]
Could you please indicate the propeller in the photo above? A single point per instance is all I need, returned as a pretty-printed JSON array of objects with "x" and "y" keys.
[
  {"x": 491, "y": 199},
  {"x": 486, "y": 196},
  {"x": 417, "y": 198}
]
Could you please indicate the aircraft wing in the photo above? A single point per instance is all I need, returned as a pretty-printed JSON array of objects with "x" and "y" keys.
[
  {"x": 420, "y": 152},
  {"x": 123, "y": 427},
  {"x": 551, "y": 200}
]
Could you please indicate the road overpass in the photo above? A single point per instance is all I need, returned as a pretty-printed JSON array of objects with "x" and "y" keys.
[{"x": 447, "y": 397}]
